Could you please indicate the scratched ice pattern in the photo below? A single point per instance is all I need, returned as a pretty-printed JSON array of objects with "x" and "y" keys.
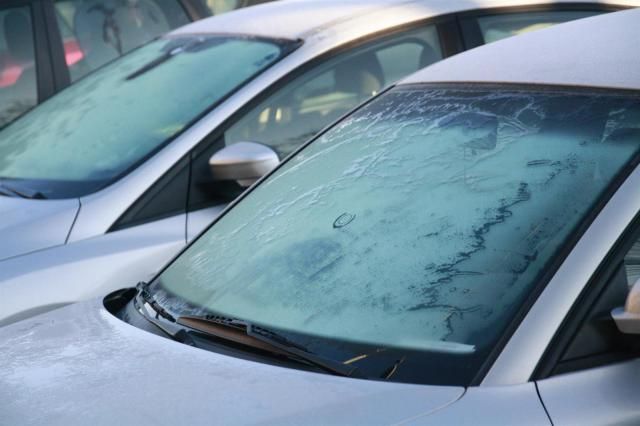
[
  {"x": 112, "y": 119},
  {"x": 422, "y": 221}
]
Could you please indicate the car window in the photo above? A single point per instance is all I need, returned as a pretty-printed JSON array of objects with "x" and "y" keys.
[
  {"x": 216, "y": 7},
  {"x": 414, "y": 229},
  {"x": 596, "y": 340},
  {"x": 18, "y": 83},
  {"x": 305, "y": 105},
  {"x": 95, "y": 32},
  {"x": 632, "y": 264},
  {"x": 97, "y": 129},
  {"x": 497, "y": 27}
]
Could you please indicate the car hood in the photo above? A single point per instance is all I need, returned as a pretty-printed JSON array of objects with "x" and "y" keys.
[
  {"x": 30, "y": 225},
  {"x": 79, "y": 364}
]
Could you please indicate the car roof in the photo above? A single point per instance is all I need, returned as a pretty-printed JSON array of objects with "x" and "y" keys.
[
  {"x": 600, "y": 51},
  {"x": 303, "y": 19}
]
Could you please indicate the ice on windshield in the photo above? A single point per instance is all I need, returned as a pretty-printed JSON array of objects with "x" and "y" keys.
[
  {"x": 102, "y": 125},
  {"x": 424, "y": 218}
]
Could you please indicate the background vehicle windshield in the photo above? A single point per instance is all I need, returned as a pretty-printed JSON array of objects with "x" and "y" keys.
[
  {"x": 96, "y": 130},
  {"x": 418, "y": 224}
]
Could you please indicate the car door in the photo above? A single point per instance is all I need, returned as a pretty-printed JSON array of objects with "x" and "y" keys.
[
  {"x": 25, "y": 67},
  {"x": 591, "y": 374}
]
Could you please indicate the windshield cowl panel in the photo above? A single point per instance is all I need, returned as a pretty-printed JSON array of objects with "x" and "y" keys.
[
  {"x": 107, "y": 123},
  {"x": 417, "y": 226}
]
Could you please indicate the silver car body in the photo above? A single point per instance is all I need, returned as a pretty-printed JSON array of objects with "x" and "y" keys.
[
  {"x": 81, "y": 364},
  {"x": 58, "y": 252}
]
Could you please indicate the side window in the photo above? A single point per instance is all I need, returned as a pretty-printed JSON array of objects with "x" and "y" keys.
[
  {"x": 497, "y": 27},
  {"x": 216, "y": 7},
  {"x": 313, "y": 100},
  {"x": 597, "y": 340},
  {"x": 18, "y": 84},
  {"x": 632, "y": 263},
  {"x": 95, "y": 32}
]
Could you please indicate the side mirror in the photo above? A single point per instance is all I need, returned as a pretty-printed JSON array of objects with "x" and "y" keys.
[
  {"x": 628, "y": 318},
  {"x": 244, "y": 162}
]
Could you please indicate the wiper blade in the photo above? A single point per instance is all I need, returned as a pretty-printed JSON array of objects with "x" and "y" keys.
[
  {"x": 15, "y": 190},
  {"x": 173, "y": 50},
  {"x": 148, "y": 300},
  {"x": 242, "y": 332},
  {"x": 154, "y": 63},
  {"x": 233, "y": 330}
]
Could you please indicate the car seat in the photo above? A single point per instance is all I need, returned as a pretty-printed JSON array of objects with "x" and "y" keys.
[
  {"x": 429, "y": 56},
  {"x": 106, "y": 29}
]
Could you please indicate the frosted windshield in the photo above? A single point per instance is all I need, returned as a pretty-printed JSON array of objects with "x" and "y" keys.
[
  {"x": 422, "y": 221},
  {"x": 107, "y": 122}
]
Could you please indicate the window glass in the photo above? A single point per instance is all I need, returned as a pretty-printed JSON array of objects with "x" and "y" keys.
[
  {"x": 93, "y": 131},
  {"x": 418, "y": 226},
  {"x": 632, "y": 264},
  {"x": 496, "y": 27},
  {"x": 18, "y": 83},
  {"x": 220, "y": 6},
  {"x": 216, "y": 7},
  {"x": 310, "y": 102},
  {"x": 95, "y": 32}
]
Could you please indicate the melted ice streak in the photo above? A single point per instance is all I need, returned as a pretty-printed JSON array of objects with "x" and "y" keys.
[{"x": 455, "y": 205}]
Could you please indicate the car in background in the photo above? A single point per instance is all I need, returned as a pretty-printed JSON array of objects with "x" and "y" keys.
[
  {"x": 47, "y": 45},
  {"x": 107, "y": 180},
  {"x": 455, "y": 251}
]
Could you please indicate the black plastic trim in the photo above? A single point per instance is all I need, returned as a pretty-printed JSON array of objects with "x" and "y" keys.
[
  {"x": 44, "y": 72},
  {"x": 166, "y": 198},
  {"x": 451, "y": 42},
  {"x": 61, "y": 78}
]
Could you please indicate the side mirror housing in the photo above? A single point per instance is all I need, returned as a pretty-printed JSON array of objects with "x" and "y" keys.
[
  {"x": 244, "y": 162},
  {"x": 627, "y": 318}
]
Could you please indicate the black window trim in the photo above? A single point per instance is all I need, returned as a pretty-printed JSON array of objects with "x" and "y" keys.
[{"x": 61, "y": 78}]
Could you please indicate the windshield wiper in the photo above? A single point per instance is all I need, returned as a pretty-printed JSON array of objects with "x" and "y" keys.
[
  {"x": 147, "y": 299},
  {"x": 172, "y": 52},
  {"x": 14, "y": 190},
  {"x": 234, "y": 330},
  {"x": 244, "y": 333}
]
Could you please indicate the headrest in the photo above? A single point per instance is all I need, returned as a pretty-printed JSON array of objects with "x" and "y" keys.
[
  {"x": 429, "y": 56},
  {"x": 361, "y": 74}
]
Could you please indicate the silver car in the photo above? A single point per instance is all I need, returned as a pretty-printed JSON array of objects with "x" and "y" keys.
[
  {"x": 102, "y": 184},
  {"x": 459, "y": 250}
]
